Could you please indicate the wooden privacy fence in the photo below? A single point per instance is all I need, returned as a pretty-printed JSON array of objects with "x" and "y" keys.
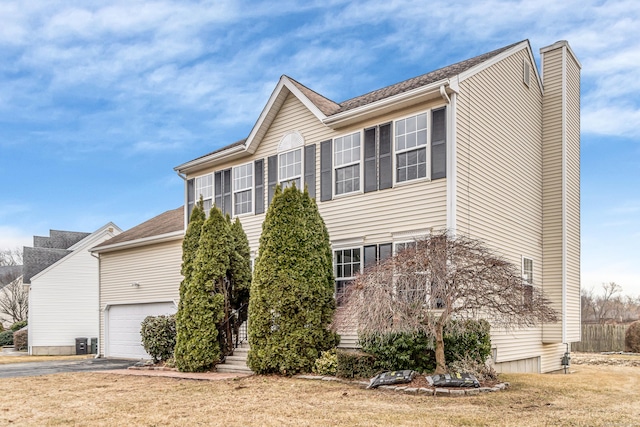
[{"x": 598, "y": 338}]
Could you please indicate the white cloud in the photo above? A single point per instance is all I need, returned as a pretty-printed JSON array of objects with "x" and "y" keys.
[{"x": 12, "y": 237}]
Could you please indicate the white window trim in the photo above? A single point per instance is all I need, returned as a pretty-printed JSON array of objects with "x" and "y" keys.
[
  {"x": 526, "y": 280},
  {"x": 360, "y": 163},
  {"x": 335, "y": 266},
  {"x": 250, "y": 188},
  {"x": 400, "y": 242},
  {"x": 395, "y": 152},
  {"x": 196, "y": 193},
  {"x": 301, "y": 176}
]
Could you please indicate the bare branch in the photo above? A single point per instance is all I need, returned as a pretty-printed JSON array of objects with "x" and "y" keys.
[
  {"x": 14, "y": 302},
  {"x": 420, "y": 289}
]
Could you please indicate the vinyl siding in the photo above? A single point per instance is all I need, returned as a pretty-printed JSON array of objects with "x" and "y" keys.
[
  {"x": 499, "y": 177},
  {"x": 573, "y": 329},
  {"x": 552, "y": 188},
  {"x": 372, "y": 216},
  {"x": 63, "y": 300},
  {"x": 156, "y": 267}
]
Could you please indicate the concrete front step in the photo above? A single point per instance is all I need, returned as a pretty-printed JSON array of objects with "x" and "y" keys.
[{"x": 237, "y": 362}]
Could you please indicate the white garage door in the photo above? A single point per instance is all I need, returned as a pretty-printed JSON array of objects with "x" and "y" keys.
[{"x": 122, "y": 337}]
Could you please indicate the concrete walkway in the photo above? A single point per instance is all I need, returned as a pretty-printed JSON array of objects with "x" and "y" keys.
[{"x": 10, "y": 351}]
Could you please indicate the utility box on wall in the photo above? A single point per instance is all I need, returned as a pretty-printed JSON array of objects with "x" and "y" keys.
[{"x": 81, "y": 345}]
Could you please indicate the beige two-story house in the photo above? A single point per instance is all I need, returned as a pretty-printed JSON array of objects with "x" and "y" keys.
[{"x": 487, "y": 147}]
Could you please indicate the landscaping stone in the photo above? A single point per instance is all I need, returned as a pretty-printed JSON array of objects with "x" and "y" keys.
[
  {"x": 456, "y": 392},
  {"x": 442, "y": 392}
]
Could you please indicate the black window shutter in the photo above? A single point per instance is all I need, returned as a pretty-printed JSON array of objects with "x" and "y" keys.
[
  {"x": 384, "y": 251},
  {"x": 370, "y": 255},
  {"x": 217, "y": 187},
  {"x": 226, "y": 187},
  {"x": 259, "y": 184},
  {"x": 191, "y": 197},
  {"x": 310, "y": 169},
  {"x": 325, "y": 171},
  {"x": 385, "y": 164},
  {"x": 438, "y": 143},
  {"x": 272, "y": 172},
  {"x": 370, "y": 161}
]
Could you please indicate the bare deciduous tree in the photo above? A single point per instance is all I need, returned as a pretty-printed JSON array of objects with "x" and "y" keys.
[
  {"x": 10, "y": 256},
  {"x": 608, "y": 305},
  {"x": 14, "y": 298},
  {"x": 442, "y": 278},
  {"x": 14, "y": 302}
]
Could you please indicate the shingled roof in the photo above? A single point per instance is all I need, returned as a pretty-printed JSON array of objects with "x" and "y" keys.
[
  {"x": 423, "y": 80},
  {"x": 330, "y": 108},
  {"x": 165, "y": 223}
]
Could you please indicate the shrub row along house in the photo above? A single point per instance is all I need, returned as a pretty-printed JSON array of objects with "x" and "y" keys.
[{"x": 488, "y": 148}]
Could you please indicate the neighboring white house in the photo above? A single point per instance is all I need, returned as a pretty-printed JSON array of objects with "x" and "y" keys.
[{"x": 63, "y": 298}]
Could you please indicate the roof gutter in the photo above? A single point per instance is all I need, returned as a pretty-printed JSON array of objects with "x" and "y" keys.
[
  {"x": 167, "y": 237},
  {"x": 393, "y": 102},
  {"x": 220, "y": 155}
]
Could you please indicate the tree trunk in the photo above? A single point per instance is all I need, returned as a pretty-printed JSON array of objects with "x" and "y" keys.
[{"x": 441, "y": 366}]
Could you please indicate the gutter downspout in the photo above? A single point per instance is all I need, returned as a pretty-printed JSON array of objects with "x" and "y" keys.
[
  {"x": 97, "y": 355},
  {"x": 451, "y": 157}
]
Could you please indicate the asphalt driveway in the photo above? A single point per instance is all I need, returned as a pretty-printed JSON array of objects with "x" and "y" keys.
[{"x": 31, "y": 369}]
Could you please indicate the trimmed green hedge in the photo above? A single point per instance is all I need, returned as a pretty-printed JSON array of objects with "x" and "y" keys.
[
  {"x": 467, "y": 339},
  {"x": 355, "y": 364},
  {"x": 6, "y": 338}
]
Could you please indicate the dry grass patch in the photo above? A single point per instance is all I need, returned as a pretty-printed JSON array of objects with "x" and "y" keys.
[
  {"x": 594, "y": 395},
  {"x": 21, "y": 359}
]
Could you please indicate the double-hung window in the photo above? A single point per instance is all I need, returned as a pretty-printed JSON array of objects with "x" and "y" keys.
[
  {"x": 346, "y": 154},
  {"x": 527, "y": 278},
  {"x": 347, "y": 264},
  {"x": 242, "y": 189},
  {"x": 290, "y": 168},
  {"x": 401, "y": 246},
  {"x": 411, "y": 148},
  {"x": 204, "y": 189}
]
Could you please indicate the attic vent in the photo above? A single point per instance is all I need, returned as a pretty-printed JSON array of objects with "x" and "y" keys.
[
  {"x": 290, "y": 140},
  {"x": 527, "y": 72}
]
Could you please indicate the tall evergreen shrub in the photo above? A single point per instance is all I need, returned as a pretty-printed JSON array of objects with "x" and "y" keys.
[
  {"x": 202, "y": 302},
  {"x": 291, "y": 301}
]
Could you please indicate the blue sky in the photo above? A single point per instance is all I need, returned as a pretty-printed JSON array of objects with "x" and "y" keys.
[{"x": 100, "y": 100}]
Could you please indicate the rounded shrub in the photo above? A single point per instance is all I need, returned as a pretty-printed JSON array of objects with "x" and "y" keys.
[
  {"x": 159, "y": 336},
  {"x": 21, "y": 339},
  {"x": 632, "y": 337},
  {"x": 6, "y": 338},
  {"x": 327, "y": 363},
  {"x": 398, "y": 351}
]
